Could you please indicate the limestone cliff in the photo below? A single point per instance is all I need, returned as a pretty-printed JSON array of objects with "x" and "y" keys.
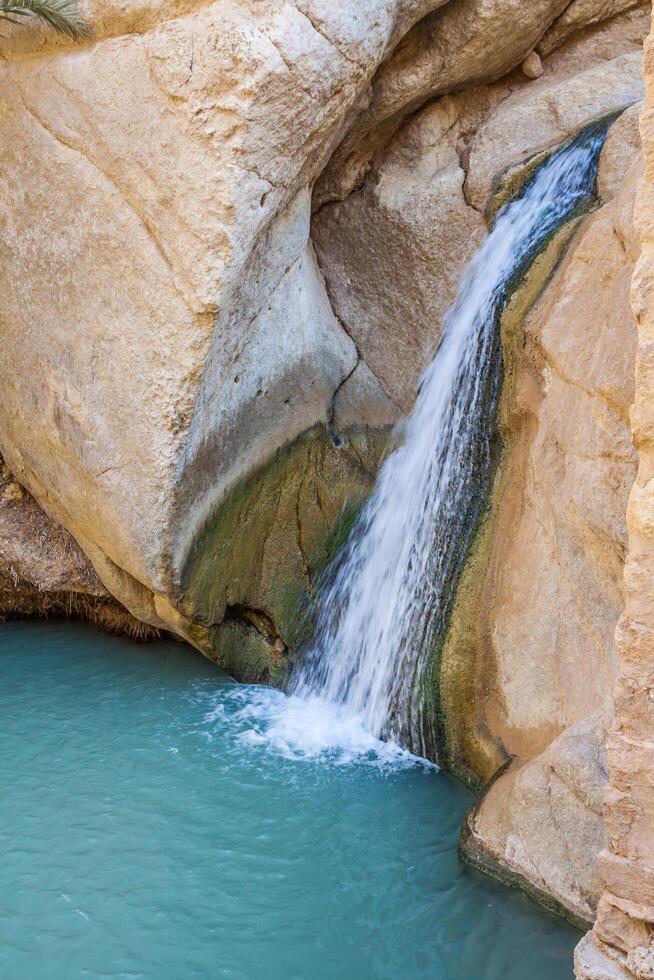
[
  {"x": 529, "y": 662},
  {"x": 532, "y": 633},
  {"x": 622, "y": 942},
  {"x": 177, "y": 325}
]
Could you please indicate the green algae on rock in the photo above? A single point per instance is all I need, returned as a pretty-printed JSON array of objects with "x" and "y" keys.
[
  {"x": 464, "y": 674},
  {"x": 249, "y": 581}
]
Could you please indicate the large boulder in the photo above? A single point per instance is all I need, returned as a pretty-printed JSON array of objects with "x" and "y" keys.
[
  {"x": 542, "y": 825},
  {"x": 176, "y": 326}
]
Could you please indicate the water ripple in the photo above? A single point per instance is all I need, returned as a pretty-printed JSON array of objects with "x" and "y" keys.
[{"x": 159, "y": 822}]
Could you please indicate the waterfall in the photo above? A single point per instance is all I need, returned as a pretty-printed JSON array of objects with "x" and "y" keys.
[{"x": 386, "y": 599}]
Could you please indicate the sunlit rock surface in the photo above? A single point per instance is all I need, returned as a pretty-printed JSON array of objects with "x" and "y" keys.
[
  {"x": 532, "y": 630},
  {"x": 581, "y": 14},
  {"x": 621, "y": 148},
  {"x": 394, "y": 250},
  {"x": 545, "y": 113},
  {"x": 176, "y": 326},
  {"x": 624, "y": 931},
  {"x": 543, "y": 823}
]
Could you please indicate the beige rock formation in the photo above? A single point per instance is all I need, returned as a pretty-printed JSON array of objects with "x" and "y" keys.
[
  {"x": 578, "y": 15},
  {"x": 621, "y": 148},
  {"x": 450, "y": 51},
  {"x": 463, "y": 44},
  {"x": 606, "y": 39},
  {"x": 112, "y": 18},
  {"x": 537, "y": 606},
  {"x": 44, "y": 572},
  {"x": 458, "y": 46},
  {"x": 542, "y": 824},
  {"x": 624, "y": 931},
  {"x": 181, "y": 305},
  {"x": 393, "y": 252},
  {"x": 544, "y": 114},
  {"x": 591, "y": 963},
  {"x": 569, "y": 538},
  {"x": 176, "y": 324}
]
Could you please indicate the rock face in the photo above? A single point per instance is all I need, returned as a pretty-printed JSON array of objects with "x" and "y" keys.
[
  {"x": 464, "y": 44},
  {"x": 578, "y": 15},
  {"x": 178, "y": 329},
  {"x": 621, "y": 148},
  {"x": 44, "y": 572},
  {"x": 529, "y": 661},
  {"x": 545, "y": 114},
  {"x": 200, "y": 366},
  {"x": 542, "y": 823},
  {"x": 623, "y": 937},
  {"x": 393, "y": 252},
  {"x": 532, "y": 631}
]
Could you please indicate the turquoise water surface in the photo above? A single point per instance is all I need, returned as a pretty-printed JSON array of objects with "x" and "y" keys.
[{"x": 152, "y": 828}]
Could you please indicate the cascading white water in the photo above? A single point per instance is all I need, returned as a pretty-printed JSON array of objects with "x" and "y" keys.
[{"x": 386, "y": 598}]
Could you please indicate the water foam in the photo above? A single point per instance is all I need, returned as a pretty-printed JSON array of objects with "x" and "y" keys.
[{"x": 308, "y": 729}]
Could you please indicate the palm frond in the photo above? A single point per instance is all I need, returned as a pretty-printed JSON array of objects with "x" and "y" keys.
[{"x": 60, "y": 15}]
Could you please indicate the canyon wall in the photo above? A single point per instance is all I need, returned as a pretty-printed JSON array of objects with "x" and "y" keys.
[
  {"x": 529, "y": 662},
  {"x": 531, "y": 650},
  {"x": 230, "y": 233},
  {"x": 622, "y": 943},
  {"x": 212, "y": 372}
]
